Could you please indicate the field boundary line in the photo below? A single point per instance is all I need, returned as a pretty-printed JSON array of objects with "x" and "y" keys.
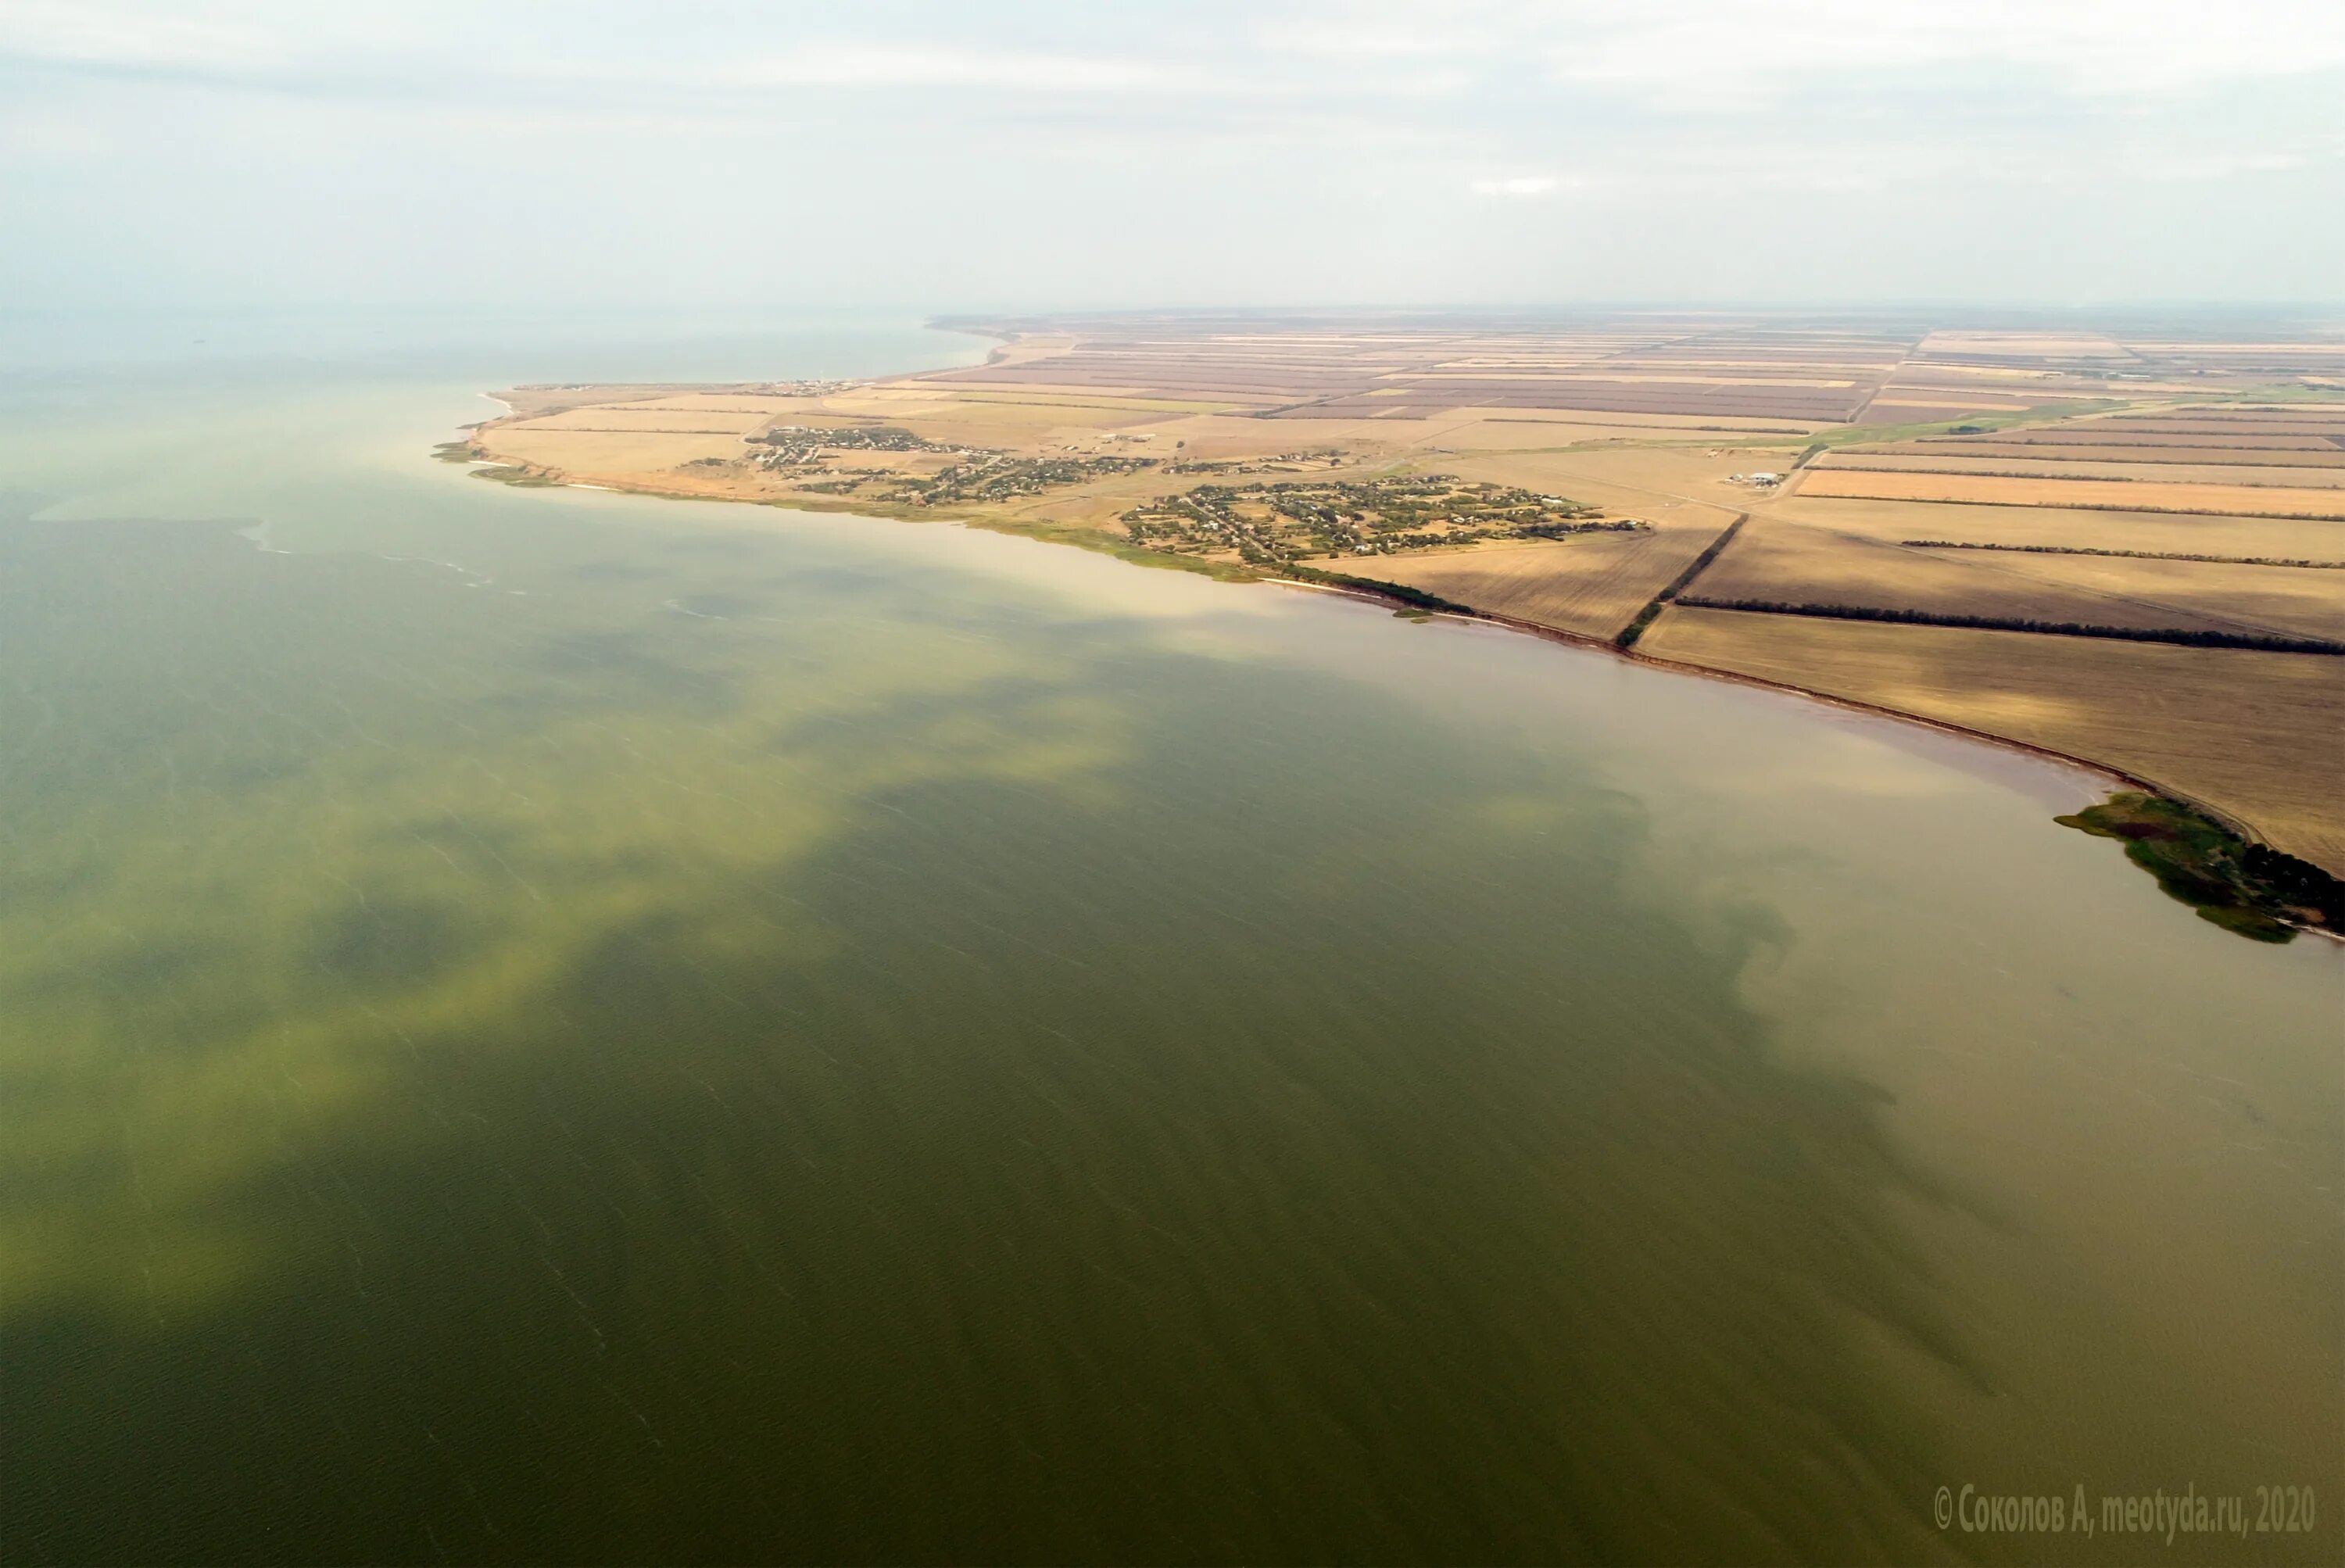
[
  {"x": 1626, "y": 637},
  {"x": 2179, "y": 635},
  {"x": 2126, "y": 555}
]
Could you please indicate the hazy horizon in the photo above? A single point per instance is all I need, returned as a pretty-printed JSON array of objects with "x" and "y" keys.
[
  {"x": 1329, "y": 782},
  {"x": 1046, "y": 156}
]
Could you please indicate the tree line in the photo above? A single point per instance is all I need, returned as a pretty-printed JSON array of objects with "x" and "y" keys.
[
  {"x": 2183, "y": 635},
  {"x": 2137, "y": 555}
]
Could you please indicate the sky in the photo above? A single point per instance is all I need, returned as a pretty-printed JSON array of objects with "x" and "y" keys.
[{"x": 1044, "y": 156}]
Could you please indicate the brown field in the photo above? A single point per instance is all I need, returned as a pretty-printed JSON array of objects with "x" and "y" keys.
[
  {"x": 2316, "y": 476},
  {"x": 1789, "y": 563},
  {"x": 1659, "y": 484},
  {"x": 2228, "y": 425},
  {"x": 1916, "y": 410},
  {"x": 1593, "y": 586},
  {"x": 2236, "y": 500},
  {"x": 1516, "y": 429},
  {"x": 2286, "y": 601},
  {"x": 1792, "y": 563},
  {"x": 2174, "y": 533},
  {"x": 2323, "y": 413},
  {"x": 1423, "y": 399},
  {"x": 2021, "y": 345},
  {"x": 621, "y": 457},
  {"x": 2131, "y": 446},
  {"x": 638, "y": 419},
  {"x": 1110, "y": 400},
  {"x": 723, "y": 403},
  {"x": 2314, "y": 453},
  {"x": 2111, "y": 433},
  {"x": 2253, "y": 735}
]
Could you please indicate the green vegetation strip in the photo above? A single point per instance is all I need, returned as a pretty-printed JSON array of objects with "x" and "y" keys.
[
  {"x": 1076, "y": 534},
  {"x": 2251, "y": 889},
  {"x": 1982, "y": 423},
  {"x": 1400, "y": 593},
  {"x": 1678, "y": 585},
  {"x": 516, "y": 473},
  {"x": 2133, "y": 555},
  {"x": 2185, "y": 637}
]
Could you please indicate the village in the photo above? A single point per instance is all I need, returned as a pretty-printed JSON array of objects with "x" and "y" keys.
[
  {"x": 1264, "y": 524},
  {"x": 802, "y": 445},
  {"x": 998, "y": 476}
]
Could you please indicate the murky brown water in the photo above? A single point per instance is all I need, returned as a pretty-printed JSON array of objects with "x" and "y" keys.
[{"x": 542, "y": 1025}]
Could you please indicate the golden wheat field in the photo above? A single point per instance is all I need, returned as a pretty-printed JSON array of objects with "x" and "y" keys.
[
  {"x": 650, "y": 418},
  {"x": 1593, "y": 586},
  {"x": 2254, "y": 735},
  {"x": 2177, "y": 532},
  {"x": 606, "y": 456},
  {"x": 2284, "y": 601},
  {"x": 2130, "y": 470},
  {"x": 2116, "y": 495},
  {"x": 2138, "y": 436},
  {"x": 1773, "y": 561},
  {"x": 1515, "y": 430},
  {"x": 1664, "y": 484},
  {"x": 2308, "y": 452}
]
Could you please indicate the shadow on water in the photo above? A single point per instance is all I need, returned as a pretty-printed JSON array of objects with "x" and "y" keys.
[
  {"x": 627, "y": 669},
  {"x": 393, "y": 944},
  {"x": 616, "y": 572},
  {"x": 699, "y": 1112}
]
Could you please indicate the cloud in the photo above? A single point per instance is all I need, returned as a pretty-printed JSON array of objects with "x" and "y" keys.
[
  {"x": 883, "y": 66},
  {"x": 48, "y": 32},
  {"x": 1368, "y": 31},
  {"x": 251, "y": 44},
  {"x": 1730, "y": 55},
  {"x": 1708, "y": 55},
  {"x": 1517, "y": 185},
  {"x": 182, "y": 127},
  {"x": 2216, "y": 165}
]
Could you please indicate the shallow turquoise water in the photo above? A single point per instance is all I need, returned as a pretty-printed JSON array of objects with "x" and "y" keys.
[{"x": 540, "y": 1025}]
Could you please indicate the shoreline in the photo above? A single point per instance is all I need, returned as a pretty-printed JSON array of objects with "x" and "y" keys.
[
  {"x": 1465, "y": 616},
  {"x": 2100, "y": 773},
  {"x": 2100, "y": 770},
  {"x": 1400, "y": 597}
]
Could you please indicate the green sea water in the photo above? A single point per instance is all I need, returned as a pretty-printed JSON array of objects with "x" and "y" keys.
[{"x": 542, "y": 1025}]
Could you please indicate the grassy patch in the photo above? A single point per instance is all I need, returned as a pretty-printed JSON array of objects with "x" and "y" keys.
[
  {"x": 1084, "y": 538},
  {"x": 515, "y": 473},
  {"x": 1978, "y": 423},
  {"x": 2250, "y": 889},
  {"x": 2275, "y": 392}
]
